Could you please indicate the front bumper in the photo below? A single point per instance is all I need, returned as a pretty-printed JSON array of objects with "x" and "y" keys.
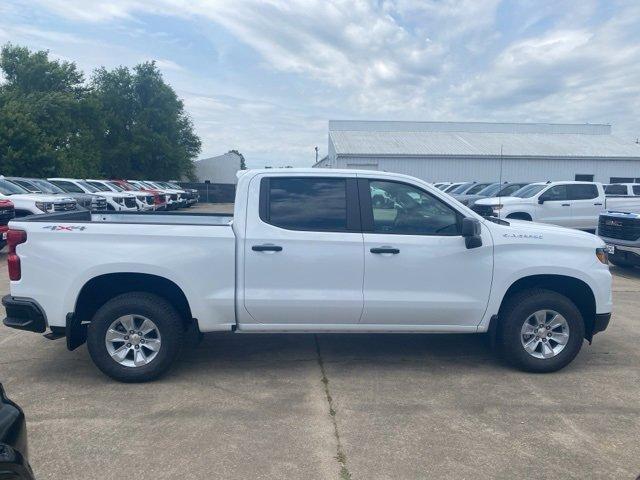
[{"x": 24, "y": 314}]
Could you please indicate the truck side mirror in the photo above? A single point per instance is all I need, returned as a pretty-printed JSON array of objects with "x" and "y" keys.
[
  {"x": 541, "y": 199},
  {"x": 471, "y": 229}
]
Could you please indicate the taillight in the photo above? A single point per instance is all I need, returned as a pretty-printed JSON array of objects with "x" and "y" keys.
[{"x": 14, "y": 238}]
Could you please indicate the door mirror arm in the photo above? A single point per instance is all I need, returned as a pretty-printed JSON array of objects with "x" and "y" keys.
[
  {"x": 540, "y": 200},
  {"x": 471, "y": 231}
]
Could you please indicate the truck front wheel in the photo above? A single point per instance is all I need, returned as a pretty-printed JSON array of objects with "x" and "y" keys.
[
  {"x": 540, "y": 330},
  {"x": 135, "y": 337}
]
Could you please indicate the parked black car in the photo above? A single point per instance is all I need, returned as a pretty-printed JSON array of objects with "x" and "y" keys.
[
  {"x": 38, "y": 185},
  {"x": 14, "y": 462}
]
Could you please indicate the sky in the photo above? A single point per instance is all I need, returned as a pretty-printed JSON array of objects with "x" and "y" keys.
[{"x": 264, "y": 77}]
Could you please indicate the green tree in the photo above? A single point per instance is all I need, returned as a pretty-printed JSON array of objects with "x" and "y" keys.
[
  {"x": 48, "y": 121},
  {"x": 147, "y": 132},
  {"x": 243, "y": 163}
]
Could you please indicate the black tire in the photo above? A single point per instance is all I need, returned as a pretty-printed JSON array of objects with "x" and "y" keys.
[
  {"x": 619, "y": 262},
  {"x": 155, "y": 308},
  {"x": 518, "y": 309}
]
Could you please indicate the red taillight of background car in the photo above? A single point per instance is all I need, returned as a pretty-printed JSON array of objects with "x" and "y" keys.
[{"x": 15, "y": 238}]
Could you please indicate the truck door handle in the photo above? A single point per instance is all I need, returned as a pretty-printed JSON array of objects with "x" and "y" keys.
[
  {"x": 566, "y": 204},
  {"x": 266, "y": 248},
  {"x": 394, "y": 251},
  {"x": 599, "y": 204}
]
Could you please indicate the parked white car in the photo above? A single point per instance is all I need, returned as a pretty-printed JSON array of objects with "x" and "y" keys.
[
  {"x": 307, "y": 251},
  {"x": 27, "y": 203},
  {"x": 569, "y": 204},
  {"x": 117, "y": 201},
  {"x": 144, "y": 201}
]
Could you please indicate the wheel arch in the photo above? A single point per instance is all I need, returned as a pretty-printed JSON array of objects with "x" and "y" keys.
[
  {"x": 102, "y": 288},
  {"x": 520, "y": 216},
  {"x": 576, "y": 290}
]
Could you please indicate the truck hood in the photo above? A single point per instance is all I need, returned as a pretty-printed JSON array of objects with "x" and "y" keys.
[
  {"x": 531, "y": 232},
  {"x": 503, "y": 201}
]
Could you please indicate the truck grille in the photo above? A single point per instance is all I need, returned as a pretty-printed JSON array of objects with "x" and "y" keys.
[
  {"x": 6, "y": 214},
  {"x": 129, "y": 202},
  {"x": 174, "y": 197},
  {"x": 484, "y": 210},
  {"x": 99, "y": 204},
  {"x": 619, "y": 227},
  {"x": 64, "y": 207}
]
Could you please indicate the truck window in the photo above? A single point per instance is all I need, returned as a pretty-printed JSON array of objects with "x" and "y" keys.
[
  {"x": 402, "y": 209},
  {"x": 314, "y": 204},
  {"x": 636, "y": 189},
  {"x": 615, "y": 189},
  {"x": 580, "y": 191},
  {"x": 67, "y": 186}
]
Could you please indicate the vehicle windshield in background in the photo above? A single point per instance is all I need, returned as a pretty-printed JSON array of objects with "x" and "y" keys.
[
  {"x": 477, "y": 188},
  {"x": 509, "y": 190},
  {"x": 124, "y": 186},
  {"x": 451, "y": 188},
  {"x": 89, "y": 187},
  {"x": 46, "y": 187},
  {"x": 151, "y": 185},
  {"x": 28, "y": 186},
  {"x": 528, "y": 191},
  {"x": 10, "y": 188},
  {"x": 115, "y": 186},
  {"x": 99, "y": 186},
  {"x": 460, "y": 188},
  {"x": 490, "y": 191}
]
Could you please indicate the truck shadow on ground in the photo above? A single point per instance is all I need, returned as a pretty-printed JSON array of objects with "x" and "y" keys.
[{"x": 631, "y": 273}]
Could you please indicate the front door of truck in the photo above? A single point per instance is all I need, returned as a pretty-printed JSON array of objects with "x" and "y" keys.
[
  {"x": 303, "y": 251},
  {"x": 555, "y": 207},
  {"x": 418, "y": 270}
]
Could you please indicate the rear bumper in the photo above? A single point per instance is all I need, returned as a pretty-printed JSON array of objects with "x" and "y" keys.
[{"x": 24, "y": 314}]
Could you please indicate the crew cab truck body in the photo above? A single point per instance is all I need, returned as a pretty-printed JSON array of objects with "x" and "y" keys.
[
  {"x": 306, "y": 251},
  {"x": 568, "y": 204}
]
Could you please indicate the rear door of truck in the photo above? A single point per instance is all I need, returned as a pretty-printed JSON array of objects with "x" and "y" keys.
[
  {"x": 587, "y": 201},
  {"x": 303, "y": 251}
]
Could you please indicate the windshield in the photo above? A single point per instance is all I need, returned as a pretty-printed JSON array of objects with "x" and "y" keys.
[
  {"x": 151, "y": 185},
  {"x": 99, "y": 186},
  {"x": 462, "y": 188},
  {"x": 46, "y": 187},
  {"x": 9, "y": 188},
  {"x": 476, "y": 188},
  {"x": 529, "y": 191},
  {"x": 27, "y": 185},
  {"x": 489, "y": 191},
  {"x": 510, "y": 189},
  {"x": 87, "y": 187},
  {"x": 452, "y": 187},
  {"x": 122, "y": 185},
  {"x": 115, "y": 186}
]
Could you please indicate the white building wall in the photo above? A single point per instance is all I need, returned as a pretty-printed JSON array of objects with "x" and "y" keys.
[
  {"x": 220, "y": 169},
  {"x": 488, "y": 169}
]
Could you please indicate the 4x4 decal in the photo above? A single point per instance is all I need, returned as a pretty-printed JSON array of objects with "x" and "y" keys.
[{"x": 63, "y": 228}]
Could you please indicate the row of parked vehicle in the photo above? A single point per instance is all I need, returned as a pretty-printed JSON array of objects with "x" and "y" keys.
[
  {"x": 571, "y": 204},
  {"x": 22, "y": 196}
]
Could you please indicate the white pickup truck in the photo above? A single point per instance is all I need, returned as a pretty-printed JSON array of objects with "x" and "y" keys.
[
  {"x": 568, "y": 204},
  {"x": 306, "y": 251}
]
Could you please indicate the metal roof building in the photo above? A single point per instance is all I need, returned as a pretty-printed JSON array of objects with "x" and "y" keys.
[{"x": 464, "y": 151}]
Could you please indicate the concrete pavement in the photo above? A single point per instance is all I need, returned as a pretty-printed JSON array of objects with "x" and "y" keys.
[{"x": 335, "y": 407}]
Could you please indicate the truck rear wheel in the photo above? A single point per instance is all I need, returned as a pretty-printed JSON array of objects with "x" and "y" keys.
[
  {"x": 540, "y": 331},
  {"x": 135, "y": 337}
]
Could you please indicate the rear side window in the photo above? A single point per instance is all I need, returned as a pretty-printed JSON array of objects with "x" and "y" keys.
[
  {"x": 581, "y": 191},
  {"x": 615, "y": 189},
  {"x": 636, "y": 189},
  {"x": 313, "y": 204}
]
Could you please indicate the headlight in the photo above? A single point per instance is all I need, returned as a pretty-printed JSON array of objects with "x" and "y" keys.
[
  {"x": 601, "y": 255},
  {"x": 44, "y": 206},
  {"x": 496, "y": 207}
]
